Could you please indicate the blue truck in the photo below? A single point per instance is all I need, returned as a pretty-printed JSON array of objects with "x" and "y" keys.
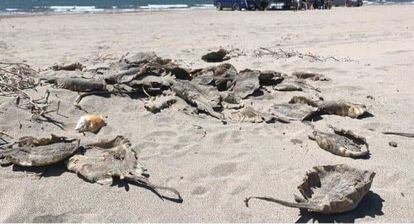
[{"x": 236, "y": 4}]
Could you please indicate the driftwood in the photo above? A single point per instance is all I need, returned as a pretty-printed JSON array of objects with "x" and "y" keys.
[
  {"x": 408, "y": 135},
  {"x": 329, "y": 189},
  {"x": 37, "y": 107},
  {"x": 281, "y": 53},
  {"x": 15, "y": 77},
  {"x": 102, "y": 161}
]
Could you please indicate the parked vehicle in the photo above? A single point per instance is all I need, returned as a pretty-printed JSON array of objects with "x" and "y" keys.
[
  {"x": 279, "y": 4},
  {"x": 235, "y": 4},
  {"x": 348, "y": 3}
]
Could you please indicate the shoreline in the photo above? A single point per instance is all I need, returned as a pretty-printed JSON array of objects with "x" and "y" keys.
[{"x": 4, "y": 14}]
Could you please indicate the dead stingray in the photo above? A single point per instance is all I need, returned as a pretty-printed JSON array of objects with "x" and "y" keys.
[
  {"x": 78, "y": 84},
  {"x": 231, "y": 101},
  {"x": 247, "y": 114},
  {"x": 30, "y": 151},
  {"x": 343, "y": 108},
  {"x": 102, "y": 161},
  {"x": 160, "y": 103},
  {"x": 310, "y": 75},
  {"x": 223, "y": 76},
  {"x": 303, "y": 100},
  {"x": 216, "y": 56},
  {"x": 342, "y": 143},
  {"x": 292, "y": 112},
  {"x": 203, "y": 98},
  {"x": 329, "y": 189},
  {"x": 288, "y": 85},
  {"x": 270, "y": 78},
  {"x": 70, "y": 67},
  {"x": 247, "y": 83}
]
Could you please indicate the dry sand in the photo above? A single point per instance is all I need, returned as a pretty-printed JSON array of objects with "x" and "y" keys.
[{"x": 215, "y": 172}]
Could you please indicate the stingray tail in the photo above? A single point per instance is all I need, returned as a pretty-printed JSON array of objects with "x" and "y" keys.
[
  {"x": 281, "y": 202},
  {"x": 144, "y": 181}
]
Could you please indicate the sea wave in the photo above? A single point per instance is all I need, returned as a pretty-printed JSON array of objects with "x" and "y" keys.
[
  {"x": 135, "y": 8},
  {"x": 98, "y": 9},
  {"x": 202, "y": 6},
  {"x": 160, "y": 7},
  {"x": 75, "y": 9}
]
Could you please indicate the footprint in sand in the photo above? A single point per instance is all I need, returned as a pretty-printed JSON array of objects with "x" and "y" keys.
[
  {"x": 237, "y": 186},
  {"x": 224, "y": 170},
  {"x": 49, "y": 218},
  {"x": 228, "y": 136},
  {"x": 160, "y": 135},
  {"x": 147, "y": 144},
  {"x": 199, "y": 191}
]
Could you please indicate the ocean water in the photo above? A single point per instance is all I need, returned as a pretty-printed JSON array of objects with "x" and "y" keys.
[
  {"x": 98, "y": 5},
  {"x": 73, "y": 6}
]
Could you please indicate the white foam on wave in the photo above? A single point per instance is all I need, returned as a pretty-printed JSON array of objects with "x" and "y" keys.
[
  {"x": 75, "y": 9},
  {"x": 202, "y": 6},
  {"x": 161, "y": 7},
  {"x": 11, "y": 10}
]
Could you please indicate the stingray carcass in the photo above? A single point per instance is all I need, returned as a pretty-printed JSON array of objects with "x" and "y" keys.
[
  {"x": 102, "y": 161},
  {"x": 310, "y": 75},
  {"x": 293, "y": 84},
  {"x": 78, "y": 84},
  {"x": 342, "y": 143},
  {"x": 68, "y": 67},
  {"x": 216, "y": 56},
  {"x": 246, "y": 114},
  {"x": 270, "y": 78},
  {"x": 231, "y": 101},
  {"x": 298, "y": 112},
  {"x": 222, "y": 76},
  {"x": 157, "y": 104},
  {"x": 247, "y": 83},
  {"x": 329, "y": 189},
  {"x": 204, "y": 98},
  {"x": 343, "y": 108},
  {"x": 303, "y": 100},
  {"x": 30, "y": 151}
]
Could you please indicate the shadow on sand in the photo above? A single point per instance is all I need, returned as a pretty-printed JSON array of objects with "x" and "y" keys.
[{"x": 371, "y": 205}]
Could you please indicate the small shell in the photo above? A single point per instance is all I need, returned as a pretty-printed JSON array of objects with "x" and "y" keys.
[{"x": 90, "y": 123}]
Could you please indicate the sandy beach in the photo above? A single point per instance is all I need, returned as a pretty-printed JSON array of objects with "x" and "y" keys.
[{"x": 367, "y": 52}]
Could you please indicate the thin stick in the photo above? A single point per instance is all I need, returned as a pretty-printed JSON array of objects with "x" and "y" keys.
[{"x": 408, "y": 135}]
